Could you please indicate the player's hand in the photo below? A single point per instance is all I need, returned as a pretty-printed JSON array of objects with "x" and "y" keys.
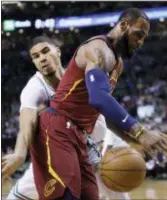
[
  {"x": 153, "y": 141},
  {"x": 10, "y": 163}
]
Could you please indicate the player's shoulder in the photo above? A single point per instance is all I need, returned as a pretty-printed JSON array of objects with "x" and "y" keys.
[
  {"x": 96, "y": 41},
  {"x": 91, "y": 45},
  {"x": 36, "y": 78},
  {"x": 33, "y": 84},
  {"x": 34, "y": 81},
  {"x": 95, "y": 48},
  {"x": 99, "y": 42},
  {"x": 32, "y": 94}
]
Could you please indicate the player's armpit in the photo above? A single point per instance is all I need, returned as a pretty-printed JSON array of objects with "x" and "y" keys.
[{"x": 28, "y": 122}]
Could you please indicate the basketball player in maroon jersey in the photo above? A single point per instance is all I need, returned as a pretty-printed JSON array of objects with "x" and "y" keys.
[{"x": 63, "y": 170}]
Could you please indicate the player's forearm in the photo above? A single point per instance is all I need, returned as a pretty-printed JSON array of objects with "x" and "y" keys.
[
  {"x": 121, "y": 121},
  {"x": 98, "y": 86},
  {"x": 116, "y": 130},
  {"x": 99, "y": 96},
  {"x": 28, "y": 121},
  {"x": 23, "y": 142},
  {"x": 20, "y": 147}
]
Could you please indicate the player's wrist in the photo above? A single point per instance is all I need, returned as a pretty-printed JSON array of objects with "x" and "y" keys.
[{"x": 136, "y": 131}]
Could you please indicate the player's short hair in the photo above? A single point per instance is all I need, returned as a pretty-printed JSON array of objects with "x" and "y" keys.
[
  {"x": 133, "y": 13},
  {"x": 41, "y": 39}
]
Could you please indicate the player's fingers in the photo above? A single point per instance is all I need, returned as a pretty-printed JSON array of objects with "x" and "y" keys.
[
  {"x": 164, "y": 139},
  {"x": 4, "y": 178},
  {"x": 163, "y": 145},
  {"x": 3, "y": 164},
  {"x": 164, "y": 136},
  {"x": 157, "y": 147},
  {"x": 5, "y": 170}
]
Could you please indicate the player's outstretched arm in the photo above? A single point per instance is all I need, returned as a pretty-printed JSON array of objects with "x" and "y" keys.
[
  {"x": 27, "y": 121},
  {"x": 97, "y": 82},
  {"x": 11, "y": 162},
  {"x": 99, "y": 60}
]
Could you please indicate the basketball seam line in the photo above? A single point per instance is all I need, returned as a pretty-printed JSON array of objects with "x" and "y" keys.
[
  {"x": 127, "y": 187},
  {"x": 118, "y": 157}
]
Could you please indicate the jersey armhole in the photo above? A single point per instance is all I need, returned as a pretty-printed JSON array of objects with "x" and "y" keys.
[{"x": 43, "y": 86}]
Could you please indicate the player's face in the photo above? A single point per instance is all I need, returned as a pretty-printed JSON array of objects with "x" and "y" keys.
[
  {"x": 46, "y": 57},
  {"x": 137, "y": 33}
]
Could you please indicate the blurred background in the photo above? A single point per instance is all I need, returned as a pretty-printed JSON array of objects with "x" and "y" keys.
[{"x": 142, "y": 88}]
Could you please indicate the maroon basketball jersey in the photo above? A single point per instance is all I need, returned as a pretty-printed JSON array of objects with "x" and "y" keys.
[{"x": 71, "y": 98}]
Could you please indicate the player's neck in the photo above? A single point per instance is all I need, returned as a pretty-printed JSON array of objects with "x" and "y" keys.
[
  {"x": 114, "y": 34},
  {"x": 119, "y": 42},
  {"x": 54, "y": 79},
  {"x": 59, "y": 73}
]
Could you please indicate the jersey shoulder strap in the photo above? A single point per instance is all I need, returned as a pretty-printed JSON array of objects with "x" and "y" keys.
[{"x": 105, "y": 38}]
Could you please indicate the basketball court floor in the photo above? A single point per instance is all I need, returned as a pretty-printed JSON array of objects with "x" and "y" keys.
[{"x": 149, "y": 190}]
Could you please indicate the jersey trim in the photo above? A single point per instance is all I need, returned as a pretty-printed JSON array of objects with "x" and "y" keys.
[
  {"x": 18, "y": 194},
  {"x": 31, "y": 107},
  {"x": 76, "y": 83},
  {"x": 50, "y": 169}
]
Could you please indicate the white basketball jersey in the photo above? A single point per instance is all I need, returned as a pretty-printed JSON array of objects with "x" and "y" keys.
[
  {"x": 36, "y": 92},
  {"x": 100, "y": 129}
]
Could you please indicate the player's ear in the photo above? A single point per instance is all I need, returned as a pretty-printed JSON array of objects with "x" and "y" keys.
[
  {"x": 30, "y": 57},
  {"x": 59, "y": 51},
  {"x": 124, "y": 24}
]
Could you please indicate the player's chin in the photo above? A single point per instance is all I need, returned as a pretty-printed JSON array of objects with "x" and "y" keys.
[{"x": 48, "y": 72}]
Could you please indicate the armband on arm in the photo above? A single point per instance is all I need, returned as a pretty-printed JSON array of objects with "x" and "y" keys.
[{"x": 98, "y": 86}]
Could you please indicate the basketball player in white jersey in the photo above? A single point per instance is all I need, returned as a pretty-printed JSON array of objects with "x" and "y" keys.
[{"x": 35, "y": 96}]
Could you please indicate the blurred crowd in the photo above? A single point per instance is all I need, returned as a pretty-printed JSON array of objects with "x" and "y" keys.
[{"x": 142, "y": 89}]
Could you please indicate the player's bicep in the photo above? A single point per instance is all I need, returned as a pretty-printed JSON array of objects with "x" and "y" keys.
[
  {"x": 94, "y": 59},
  {"x": 98, "y": 55},
  {"x": 96, "y": 77}
]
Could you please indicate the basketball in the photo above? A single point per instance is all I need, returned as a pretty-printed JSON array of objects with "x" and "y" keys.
[{"x": 122, "y": 169}]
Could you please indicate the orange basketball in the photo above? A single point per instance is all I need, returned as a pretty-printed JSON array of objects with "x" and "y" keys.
[{"x": 122, "y": 169}]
